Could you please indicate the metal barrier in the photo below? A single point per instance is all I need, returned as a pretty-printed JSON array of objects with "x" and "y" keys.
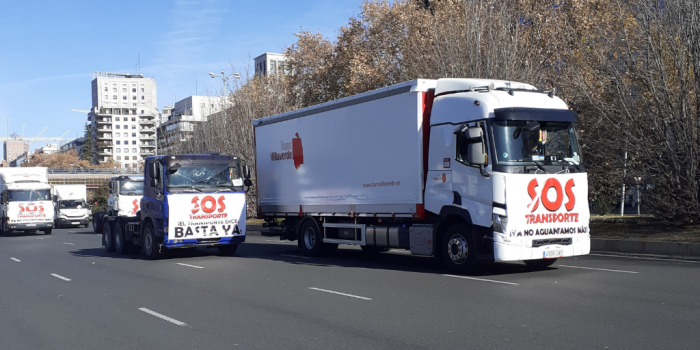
[
  {"x": 94, "y": 171},
  {"x": 89, "y": 180}
]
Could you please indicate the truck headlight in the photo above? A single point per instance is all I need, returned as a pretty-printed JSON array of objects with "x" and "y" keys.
[{"x": 500, "y": 223}]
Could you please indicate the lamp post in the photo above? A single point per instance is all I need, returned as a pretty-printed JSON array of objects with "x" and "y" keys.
[
  {"x": 224, "y": 79},
  {"x": 82, "y": 168}
]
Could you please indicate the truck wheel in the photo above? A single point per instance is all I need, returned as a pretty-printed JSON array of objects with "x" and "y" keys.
[
  {"x": 97, "y": 223},
  {"x": 107, "y": 237},
  {"x": 120, "y": 243},
  {"x": 457, "y": 249},
  {"x": 48, "y": 231},
  {"x": 228, "y": 249},
  {"x": 310, "y": 239},
  {"x": 539, "y": 264},
  {"x": 150, "y": 246}
]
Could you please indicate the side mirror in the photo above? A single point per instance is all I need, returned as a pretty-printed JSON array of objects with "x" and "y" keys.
[
  {"x": 476, "y": 154},
  {"x": 246, "y": 172},
  {"x": 474, "y": 133},
  {"x": 153, "y": 170},
  {"x": 154, "y": 182}
]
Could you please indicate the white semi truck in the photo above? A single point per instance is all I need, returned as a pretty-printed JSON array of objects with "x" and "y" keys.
[
  {"x": 70, "y": 202},
  {"x": 465, "y": 170},
  {"x": 26, "y": 200}
]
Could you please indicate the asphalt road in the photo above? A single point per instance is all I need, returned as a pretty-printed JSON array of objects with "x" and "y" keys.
[{"x": 63, "y": 291}]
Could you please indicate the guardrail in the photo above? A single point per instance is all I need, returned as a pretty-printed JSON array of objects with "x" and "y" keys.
[{"x": 94, "y": 171}]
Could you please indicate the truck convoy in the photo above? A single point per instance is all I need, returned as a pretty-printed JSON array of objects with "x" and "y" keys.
[
  {"x": 184, "y": 201},
  {"x": 465, "y": 170},
  {"x": 26, "y": 200},
  {"x": 70, "y": 203}
]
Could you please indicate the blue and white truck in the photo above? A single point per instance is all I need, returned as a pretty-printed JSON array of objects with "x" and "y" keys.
[{"x": 188, "y": 201}]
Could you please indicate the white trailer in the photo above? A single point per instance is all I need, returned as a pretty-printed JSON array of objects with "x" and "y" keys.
[
  {"x": 71, "y": 205},
  {"x": 26, "y": 200},
  {"x": 465, "y": 170}
]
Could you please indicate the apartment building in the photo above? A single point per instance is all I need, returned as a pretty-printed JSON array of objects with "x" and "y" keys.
[
  {"x": 184, "y": 117},
  {"x": 14, "y": 148},
  {"x": 123, "y": 118},
  {"x": 271, "y": 63}
]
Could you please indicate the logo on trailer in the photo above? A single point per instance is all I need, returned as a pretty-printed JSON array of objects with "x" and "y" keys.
[
  {"x": 31, "y": 207},
  {"x": 290, "y": 150},
  {"x": 541, "y": 195},
  {"x": 208, "y": 205}
]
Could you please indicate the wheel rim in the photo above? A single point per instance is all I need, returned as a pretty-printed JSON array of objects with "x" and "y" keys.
[
  {"x": 457, "y": 249},
  {"x": 108, "y": 239},
  {"x": 148, "y": 242},
  {"x": 309, "y": 238}
]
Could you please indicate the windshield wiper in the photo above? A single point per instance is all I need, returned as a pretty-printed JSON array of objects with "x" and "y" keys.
[
  {"x": 183, "y": 188},
  {"x": 541, "y": 166}
]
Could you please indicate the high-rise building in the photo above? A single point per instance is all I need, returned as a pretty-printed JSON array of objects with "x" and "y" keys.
[
  {"x": 123, "y": 117},
  {"x": 183, "y": 118},
  {"x": 14, "y": 148}
]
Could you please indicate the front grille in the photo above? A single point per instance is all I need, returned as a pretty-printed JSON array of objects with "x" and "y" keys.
[{"x": 542, "y": 242}]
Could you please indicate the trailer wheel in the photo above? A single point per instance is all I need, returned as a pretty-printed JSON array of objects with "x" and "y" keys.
[
  {"x": 121, "y": 245},
  {"x": 48, "y": 231},
  {"x": 457, "y": 249},
  {"x": 151, "y": 246},
  {"x": 539, "y": 264},
  {"x": 107, "y": 237},
  {"x": 228, "y": 249},
  {"x": 97, "y": 223},
  {"x": 310, "y": 238}
]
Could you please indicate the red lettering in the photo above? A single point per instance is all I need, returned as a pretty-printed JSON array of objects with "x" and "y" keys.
[
  {"x": 552, "y": 206},
  {"x": 196, "y": 205},
  {"x": 569, "y": 193},
  {"x": 222, "y": 206},
  {"x": 533, "y": 195},
  {"x": 211, "y": 207}
]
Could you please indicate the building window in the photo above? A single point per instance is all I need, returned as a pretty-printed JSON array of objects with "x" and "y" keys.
[
  {"x": 142, "y": 90},
  {"x": 133, "y": 126},
  {"x": 114, "y": 97},
  {"x": 106, "y": 97},
  {"x": 115, "y": 89},
  {"x": 116, "y": 119},
  {"x": 142, "y": 111},
  {"x": 126, "y": 150},
  {"x": 133, "y": 119},
  {"x": 126, "y": 126},
  {"x": 133, "y": 150},
  {"x": 116, "y": 126},
  {"x": 124, "y": 90},
  {"x": 133, "y": 134},
  {"x": 124, "y": 97},
  {"x": 133, "y": 89},
  {"x": 133, "y": 142},
  {"x": 126, "y": 158},
  {"x": 133, "y": 97},
  {"x": 106, "y": 89},
  {"x": 119, "y": 150},
  {"x": 143, "y": 97},
  {"x": 117, "y": 134},
  {"x": 118, "y": 142},
  {"x": 119, "y": 157}
]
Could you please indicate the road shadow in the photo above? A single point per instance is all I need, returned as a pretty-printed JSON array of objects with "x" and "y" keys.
[
  {"x": 19, "y": 234},
  {"x": 356, "y": 258},
  {"x": 135, "y": 253}
]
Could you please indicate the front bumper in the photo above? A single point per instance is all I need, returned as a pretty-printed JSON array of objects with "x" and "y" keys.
[
  {"x": 31, "y": 226},
  {"x": 72, "y": 222},
  {"x": 520, "y": 249},
  {"x": 192, "y": 243}
]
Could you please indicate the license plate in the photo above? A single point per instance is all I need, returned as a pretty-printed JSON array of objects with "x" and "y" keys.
[
  {"x": 29, "y": 225},
  {"x": 75, "y": 223},
  {"x": 551, "y": 254}
]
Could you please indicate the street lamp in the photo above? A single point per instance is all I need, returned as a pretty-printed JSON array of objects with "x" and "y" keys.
[{"x": 224, "y": 79}]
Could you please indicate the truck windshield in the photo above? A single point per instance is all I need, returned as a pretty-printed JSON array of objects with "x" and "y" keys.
[
  {"x": 205, "y": 176},
  {"x": 518, "y": 142},
  {"x": 72, "y": 204},
  {"x": 131, "y": 188},
  {"x": 28, "y": 195}
]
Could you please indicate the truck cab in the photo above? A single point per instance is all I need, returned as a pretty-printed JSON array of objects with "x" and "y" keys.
[
  {"x": 26, "y": 200},
  {"x": 70, "y": 203}
]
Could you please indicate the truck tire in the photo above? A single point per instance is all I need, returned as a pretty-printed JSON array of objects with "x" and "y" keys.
[
  {"x": 107, "y": 236},
  {"x": 457, "y": 249},
  {"x": 310, "y": 238},
  {"x": 150, "y": 248},
  {"x": 121, "y": 245},
  {"x": 48, "y": 231},
  {"x": 97, "y": 223},
  {"x": 539, "y": 264},
  {"x": 228, "y": 249}
]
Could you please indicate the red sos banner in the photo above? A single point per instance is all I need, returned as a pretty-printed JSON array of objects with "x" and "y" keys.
[
  {"x": 31, "y": 208},
  {"x": 541, "y": 194},
  {"x": 208, "y": 207},
  {"x": 136, "y": 205}
]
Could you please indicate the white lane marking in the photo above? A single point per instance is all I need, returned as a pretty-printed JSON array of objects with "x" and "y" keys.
[
  {"x": 278, "y": 242},
  {"x": 339, "y": 293},
  {"x": 61, "y": 277},
  {"x": 482, "y": 279},
  {"x": 163, "y": 317},
  {"x": 592, "y": 268},
  {"x": 297, "y": 256},
  {"x": 17, "y": 260},
  {"x": 188, "y": 265},
  {"x": 643, "y": 258},
  {"x": 68, "y": 243},
  {"x": 40, "y": 238}
]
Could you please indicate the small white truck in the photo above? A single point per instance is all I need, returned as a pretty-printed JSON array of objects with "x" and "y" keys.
[
  {"x": 70, "y": 202},
  {"x": 26, "y": 200},
  {"x": 465, "y": 170}
]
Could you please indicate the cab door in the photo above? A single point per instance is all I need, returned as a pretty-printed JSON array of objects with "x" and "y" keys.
[{"x": 471, "y": 182}]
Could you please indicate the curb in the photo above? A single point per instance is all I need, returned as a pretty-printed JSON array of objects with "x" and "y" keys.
[{"x": 658, "y": 249}]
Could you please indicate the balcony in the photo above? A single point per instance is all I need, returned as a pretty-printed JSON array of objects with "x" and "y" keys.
[
  {"x": 147, "y": 153},
  {"x": 103, "y": 120},
  {"x": 148, "y": 144},
  {"x": 104, "y": 136},
  {"x": 147, "y": 129},
  {"x": 147, "y": 137},
  {"x": 105, "y": 152}
]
